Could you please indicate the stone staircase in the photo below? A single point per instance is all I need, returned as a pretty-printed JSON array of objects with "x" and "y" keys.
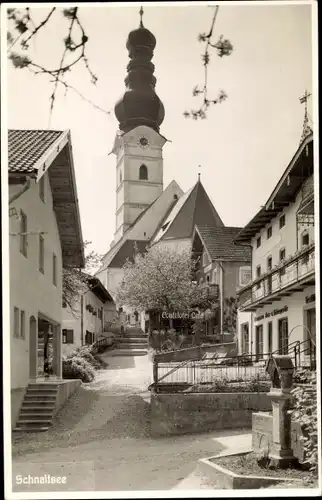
[
  {"x": 132, "y": 343},
  {"x": 37, "y": 408}
]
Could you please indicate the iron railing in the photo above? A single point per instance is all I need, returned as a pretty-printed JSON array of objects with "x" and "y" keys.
[
  {"x": 244, "y": 367},
  {"x": 293, "y": 271}
]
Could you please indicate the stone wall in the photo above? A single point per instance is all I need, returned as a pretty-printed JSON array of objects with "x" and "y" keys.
[
  {"x": 262, "y": 432},
  {"x": 191, "y": 413},
  {"x": 65, "y": 390}
]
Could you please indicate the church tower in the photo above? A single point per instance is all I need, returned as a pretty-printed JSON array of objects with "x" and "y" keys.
[{"x": 138, "y": 144}]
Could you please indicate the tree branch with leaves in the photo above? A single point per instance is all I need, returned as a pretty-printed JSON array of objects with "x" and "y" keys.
[
  {"x": 223, "y": 48},
  {"x": 22, "y": 30}
]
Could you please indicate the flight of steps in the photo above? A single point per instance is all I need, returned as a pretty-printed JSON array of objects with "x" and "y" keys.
[
  {"x": 132, "y": 343},
  {"x": 37, "y": 408}
]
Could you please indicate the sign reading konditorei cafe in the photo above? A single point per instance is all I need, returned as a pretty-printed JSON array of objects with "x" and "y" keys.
[{"x": 275, "y": 312}]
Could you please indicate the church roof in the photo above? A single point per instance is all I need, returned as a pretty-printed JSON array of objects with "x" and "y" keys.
[
  {"x": 193, "y": 208},
  {"x": 219, "y": 242},
  {"x": 127, "y": 251}
]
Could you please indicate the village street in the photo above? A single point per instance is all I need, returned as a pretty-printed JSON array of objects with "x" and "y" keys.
[{"x": 107, "y": 424}]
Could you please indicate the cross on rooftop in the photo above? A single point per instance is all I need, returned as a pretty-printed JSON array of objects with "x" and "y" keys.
[
  {"x": 307, "y": 129},
  {"x": 141, "y": 12}
]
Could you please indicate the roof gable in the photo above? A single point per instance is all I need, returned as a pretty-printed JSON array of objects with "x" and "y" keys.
[
  {"x": 219, "y": 243},
  {"x": 194, "y": 207},
  {"x": 33, "y": 152},
  {"x": 127, "y": 251}
]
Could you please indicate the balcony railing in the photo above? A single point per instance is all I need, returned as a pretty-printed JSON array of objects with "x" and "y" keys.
[{"x": 297, "y": 270}]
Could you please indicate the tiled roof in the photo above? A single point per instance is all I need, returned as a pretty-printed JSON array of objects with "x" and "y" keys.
[
  {"x": 193, "y": 208},
  {"x": 27, "y": 147},
  {"x": 127, "y": 251},
  {"x": 220, "y": 245}
]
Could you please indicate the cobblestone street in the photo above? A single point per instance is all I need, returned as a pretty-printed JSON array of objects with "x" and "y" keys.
[{"x": 107, "y": 423}]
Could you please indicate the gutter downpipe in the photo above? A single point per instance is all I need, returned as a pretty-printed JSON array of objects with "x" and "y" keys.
[{"x": 221, "y": 301}]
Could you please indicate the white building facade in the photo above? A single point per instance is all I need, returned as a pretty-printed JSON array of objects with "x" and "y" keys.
[
  {"x": 39, "y": 247},
  {"x": 281, "y": 295},
  {"x": 91, "y": 315}
]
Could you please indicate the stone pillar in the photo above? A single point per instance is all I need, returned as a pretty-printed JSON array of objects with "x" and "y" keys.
[{"x": 281, "y": 451}]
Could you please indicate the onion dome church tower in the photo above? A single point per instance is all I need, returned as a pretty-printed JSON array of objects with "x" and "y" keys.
[{"x": 138, "y": 144}]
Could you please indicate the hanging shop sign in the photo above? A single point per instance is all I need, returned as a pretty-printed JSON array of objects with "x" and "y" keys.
[
  {"x": 310, "y": 298},
  {"x": 275, "y": 312}
]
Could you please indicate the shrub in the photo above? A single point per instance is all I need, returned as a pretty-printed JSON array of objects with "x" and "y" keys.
[
  {"x": 304, "y": 411},
  {"x": 87, "y": 353},
  {"x": 79, "y": 368}
]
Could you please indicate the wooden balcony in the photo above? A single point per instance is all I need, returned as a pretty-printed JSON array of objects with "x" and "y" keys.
[{"x": 293, "y": 275}]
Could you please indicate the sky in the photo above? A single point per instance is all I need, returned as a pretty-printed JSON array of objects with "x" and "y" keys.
[{"x": 244, "y": 145}]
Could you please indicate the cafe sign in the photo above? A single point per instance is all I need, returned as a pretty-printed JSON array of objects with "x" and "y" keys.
[{"x": 275, "y": 312}]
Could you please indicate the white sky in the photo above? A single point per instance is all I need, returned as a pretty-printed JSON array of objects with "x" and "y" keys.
[{"x": 245, "y": 144}]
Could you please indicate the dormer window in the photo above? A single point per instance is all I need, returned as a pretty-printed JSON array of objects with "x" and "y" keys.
[{"x": 143, "y": 173}]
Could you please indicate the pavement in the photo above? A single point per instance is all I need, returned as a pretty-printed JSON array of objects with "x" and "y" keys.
[{"x": 102, "y": 437}]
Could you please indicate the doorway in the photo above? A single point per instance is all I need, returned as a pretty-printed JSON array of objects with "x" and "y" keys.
[
  {"x": 259, "y": 342},
  {"x": 32, "y": 347}
]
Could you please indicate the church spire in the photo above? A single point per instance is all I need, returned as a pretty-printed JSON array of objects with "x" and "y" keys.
[{"x": 140, "y": 105}]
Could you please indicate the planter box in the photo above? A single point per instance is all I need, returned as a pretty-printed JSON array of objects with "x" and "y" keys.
[{"x": 229, "y": 480}]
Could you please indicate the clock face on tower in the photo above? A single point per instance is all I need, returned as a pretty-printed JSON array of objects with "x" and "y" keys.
[{"x": 143, "y": 141}]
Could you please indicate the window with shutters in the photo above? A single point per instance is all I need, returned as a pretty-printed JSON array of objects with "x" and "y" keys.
[
  {"x": 23, "y": 233},
  {"x": 259, "y": 342},
  {"x": 15, "y": 322},
  {"x": 283, "y": 336},
  {"x": 68, "y": 336},
  {"x": 245, "y": 275},
  {"x": 41, "y": 254},
  {"x": 22, "y": 324},
  {"x": 54, "y": 270}
]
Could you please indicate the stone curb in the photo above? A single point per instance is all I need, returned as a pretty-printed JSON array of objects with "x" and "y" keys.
[{"x": 230, "y": 480}]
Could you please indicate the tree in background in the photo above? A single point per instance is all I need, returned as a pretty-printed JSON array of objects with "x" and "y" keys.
[
  {"x": 76, "y": 280},
  {"x": 161, "y": 280},
  {"x": 22, "y": 30}
]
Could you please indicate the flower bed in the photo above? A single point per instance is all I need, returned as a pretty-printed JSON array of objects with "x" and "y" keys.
[{"x": 248, "y": 464}]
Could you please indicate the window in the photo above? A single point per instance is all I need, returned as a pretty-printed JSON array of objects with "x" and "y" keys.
[
  {"x": 64, "y": 304},
  {"x": 22, "y": 324},
  {"x": 282, "y": 221},
  {"x": 41, "y": 253},
  {"x": 68, "y": 336},
  {"x": 245, "y": 338},
  {"x": 269, "y": 263},
  {"x": 305, "y": 238},
  {"x": 259, "y": 342},
  {"x": 283, "y": 336},
  {"x": 42, "y": 188},
  {"x": 282, "y": 254},
  {"x": 23, "y": 233},
  {"x": 258, "y": 242},
  {"x": 143, "y": 173},
  {"x": 16, "y": 322},
  {"x": 208, "y": 278},
  {"x": 258, "y": 271},
  {"x": 270, "y": 336},
  {"x": 269, "y": 232},
  {"x": 245, "y": 275},
  {"x": 54, "y": 270}
]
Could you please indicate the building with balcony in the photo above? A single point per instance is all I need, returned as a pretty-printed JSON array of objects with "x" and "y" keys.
[
  {"x": 223, "y": 267},
  {"x": 281, "y": 294}
]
